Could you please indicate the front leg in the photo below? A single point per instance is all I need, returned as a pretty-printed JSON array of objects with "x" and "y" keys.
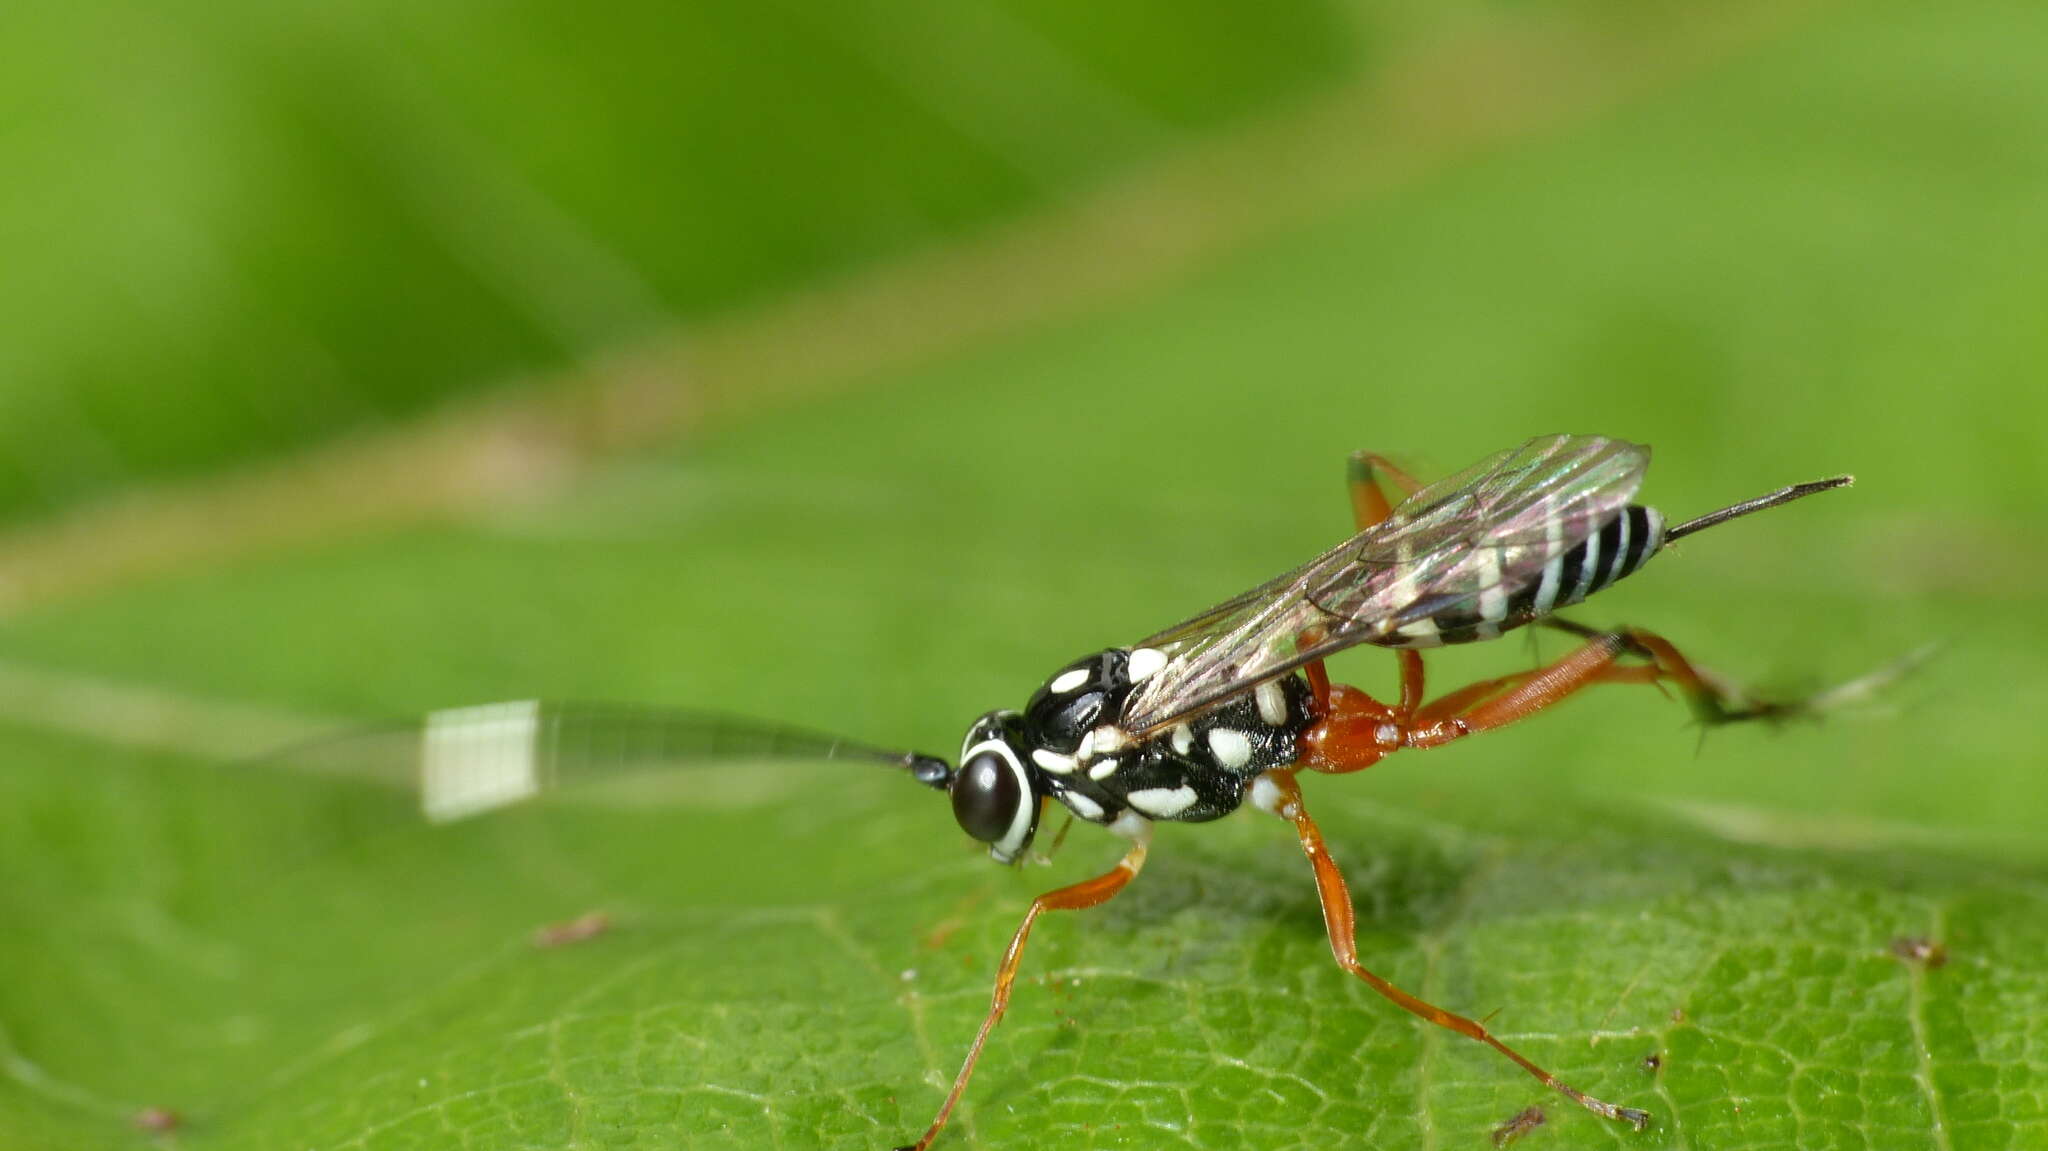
[
  {"x": 1087, "y": 893},
  {"x": 1277, "y": 793}
]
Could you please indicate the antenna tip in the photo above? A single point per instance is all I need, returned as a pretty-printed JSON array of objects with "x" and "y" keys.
[{"x": 929, "y": 770}]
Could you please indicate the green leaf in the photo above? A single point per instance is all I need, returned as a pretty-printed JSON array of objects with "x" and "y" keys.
[{"x": 1758, "y": 268}]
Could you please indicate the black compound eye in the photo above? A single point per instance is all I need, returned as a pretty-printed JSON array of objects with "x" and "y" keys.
[{"x": 987, "y": 794}]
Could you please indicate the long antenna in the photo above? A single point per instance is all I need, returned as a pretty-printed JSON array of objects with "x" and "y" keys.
[{"x": 1781, "y": 496}]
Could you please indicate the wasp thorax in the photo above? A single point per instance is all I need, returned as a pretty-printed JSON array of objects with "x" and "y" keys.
[
  {"x": 1077, "y": 699},
  {"x": 995, "y": 797}
]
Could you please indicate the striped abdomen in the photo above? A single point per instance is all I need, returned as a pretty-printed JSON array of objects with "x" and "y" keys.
[{"x": 1620, "y": 546}]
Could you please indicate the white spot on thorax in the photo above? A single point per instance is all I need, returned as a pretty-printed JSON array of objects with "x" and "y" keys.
[
  {"x": 1104, "y": 768},
  {"x": 1107, "y": 740},
  {"x": 1133, "y": 827},
  {"x": 1230, "y": 746},
  {"x": 1052, "y": 761},
  {"x": 1183, "y": 739},
  {"x": 1163, "y": 802},
  {"x": 1144, "y": 664},
  {"x": 1081, "y": 805},
  {"x": 1272, "y": 703},
  {"x": 1067, "y": 681},
  {"x": 1265, "y": 795}
]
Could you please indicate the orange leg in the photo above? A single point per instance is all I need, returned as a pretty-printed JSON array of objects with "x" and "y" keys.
[
  {"x": 1278, "y": 793},
  {"x": 1087, "y": 893},
  {"x": 1356, "y": 731},
  {"x": 1472, "y": 694},
  {"x": 1368, "y": 503},
  {"x": 1711, "y": 699},
  {"x": 1411, "y": 682},
  {"x": 1590, "y": 664}
]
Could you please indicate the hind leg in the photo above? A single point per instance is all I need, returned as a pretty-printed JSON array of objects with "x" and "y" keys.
[
  {"x": 1278, "y": 794},
  {"x": 1369, "y": 504}
]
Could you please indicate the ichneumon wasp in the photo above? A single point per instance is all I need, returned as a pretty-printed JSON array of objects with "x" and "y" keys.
[{"x": 1229, "y": 706}]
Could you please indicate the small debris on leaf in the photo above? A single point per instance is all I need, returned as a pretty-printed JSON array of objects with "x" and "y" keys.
[
  {"x": 942, "y": 931},
  {"x": 156, "y": 1119},
  {"x": 1529, "y": 1119},
  {"x": 587, "y": 926},
  {"x": 1653, "y": 1061},
  {"x": 1920, "y": 949}
]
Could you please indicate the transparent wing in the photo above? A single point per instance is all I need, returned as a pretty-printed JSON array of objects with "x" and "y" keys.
[
  {"x": 453, "y": 764},
  {"x": 1468, "y": 536}
]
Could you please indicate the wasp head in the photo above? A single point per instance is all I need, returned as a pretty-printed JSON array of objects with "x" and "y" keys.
[
  {"x": 996, "y": 792},
  {"x": 1005, "y": 760}
]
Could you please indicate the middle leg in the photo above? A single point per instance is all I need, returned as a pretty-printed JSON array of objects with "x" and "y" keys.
[{"x": 1277, "y": 793}]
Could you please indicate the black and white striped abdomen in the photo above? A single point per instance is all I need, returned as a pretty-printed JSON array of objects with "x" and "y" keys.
[{"x": 1618, "y": 548}]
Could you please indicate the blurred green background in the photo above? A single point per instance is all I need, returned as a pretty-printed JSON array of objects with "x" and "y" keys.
[{"x": 855, "y": 365}]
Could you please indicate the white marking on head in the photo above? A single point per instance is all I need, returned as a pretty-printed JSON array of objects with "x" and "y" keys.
[
  {"x": 1230, "y": 747},
  {"x": 1067, "y": 681},
  {"x": 1183, "y": 739},
  {"x": 1272, "y": 703},
  {"x": 1005, "y": 849},
  {"x": 1052, "y": 761},
  {"x": 967, "y": 741},
  {"x": 1144, "y": 664},
  {"x": 1104, "y": 768},
  {"x": 1081, "y": 805}
]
